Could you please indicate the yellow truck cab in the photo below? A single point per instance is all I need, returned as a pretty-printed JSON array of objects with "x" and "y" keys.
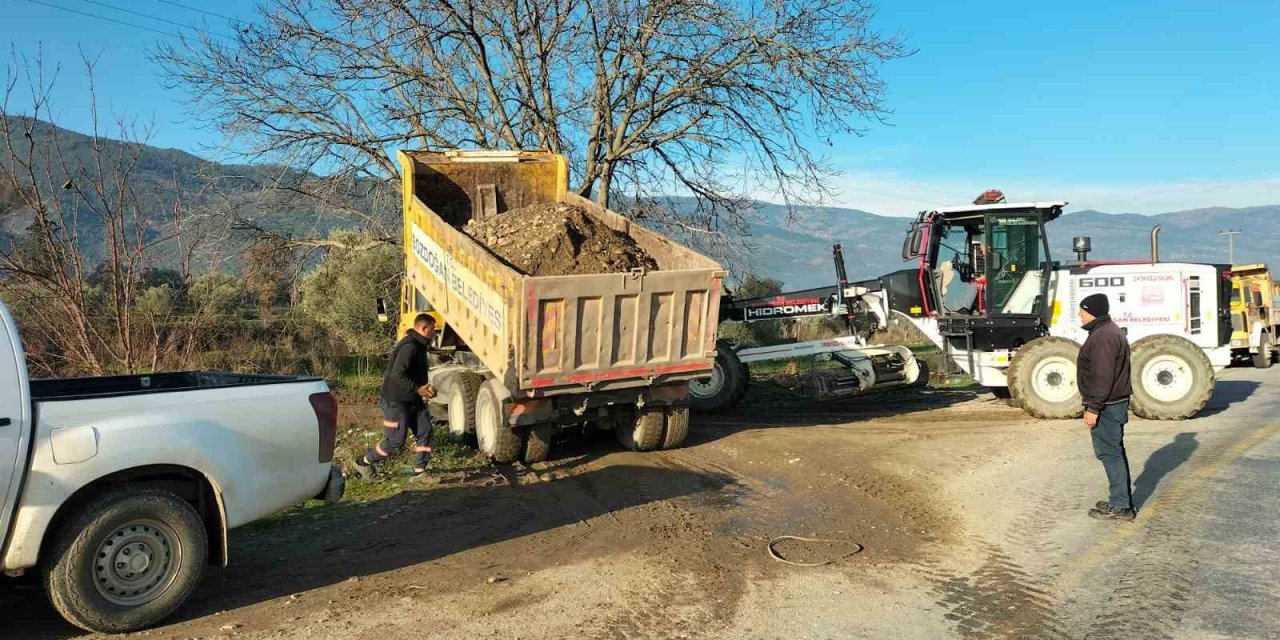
[{"x": 1254, "y": 317}]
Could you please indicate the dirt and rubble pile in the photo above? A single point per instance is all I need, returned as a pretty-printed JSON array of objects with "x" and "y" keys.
[{"x": 555, "y": 239}]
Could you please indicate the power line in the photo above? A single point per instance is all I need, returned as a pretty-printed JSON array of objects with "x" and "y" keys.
[
  {"x": 94, "y": 15},
  {"x": 191, "y": 8},
  {"x": 156, "y": 18}
]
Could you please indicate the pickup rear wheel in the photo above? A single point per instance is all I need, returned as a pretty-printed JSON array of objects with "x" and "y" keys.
[
  {"x": 126, "y": 560},
  {"x": 494, "y": 435}
]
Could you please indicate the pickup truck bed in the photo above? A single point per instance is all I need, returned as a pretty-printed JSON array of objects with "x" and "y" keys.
[{"x": 104, "y": 386}]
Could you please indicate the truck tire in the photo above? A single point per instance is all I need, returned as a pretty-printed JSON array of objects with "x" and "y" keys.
[
  {"x": 1172, "y": 378},
  {"x": 1262, "y": 359},
  {"x": 494, "y": 436},
  {"x": 462, "y": 402},
  {"x": 726, "y": 385},
  {"x": 676, "y": 428},
  {"x": 126, "y": 560},
  {"x": 537, "y": 446},
  {"x": 1042, "y": 379},
  {"x": 645, "y": 434}
]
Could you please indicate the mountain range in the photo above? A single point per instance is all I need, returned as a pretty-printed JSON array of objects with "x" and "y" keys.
[
  {"x": 797, "y": 249},
  {"x": 793, "y": 247}
]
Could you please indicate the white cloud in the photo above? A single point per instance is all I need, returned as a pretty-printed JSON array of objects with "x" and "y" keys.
[{"x": 892, "y": 194}]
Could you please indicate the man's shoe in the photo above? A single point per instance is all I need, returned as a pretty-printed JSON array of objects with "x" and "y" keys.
[
  {"x": 367, "y": 471},
  {"x": 1102, "y": 504},
  {"x": 1107, "y": 512}
]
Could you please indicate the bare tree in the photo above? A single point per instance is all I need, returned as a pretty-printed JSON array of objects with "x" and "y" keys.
[
  {"x": 78, "y": 242},
  {"x": 716, "y": 100}
]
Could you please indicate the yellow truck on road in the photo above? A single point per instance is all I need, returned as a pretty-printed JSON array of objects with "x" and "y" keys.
[
  {"x": 1254, "y": 317},
  {"x": 528, "y": 354}
]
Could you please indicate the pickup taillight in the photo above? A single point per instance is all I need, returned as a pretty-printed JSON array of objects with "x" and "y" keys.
[{"x": 326, "y": 408}]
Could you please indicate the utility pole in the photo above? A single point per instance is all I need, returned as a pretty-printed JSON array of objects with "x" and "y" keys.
[{"x": 1231, "y": 243}]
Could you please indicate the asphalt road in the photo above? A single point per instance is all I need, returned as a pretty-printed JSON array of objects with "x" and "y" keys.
[{"x": 1202, "y": 560}]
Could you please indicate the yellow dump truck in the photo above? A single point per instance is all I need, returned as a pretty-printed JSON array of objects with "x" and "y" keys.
[
  {"x": 525, "y": 355},
  {"x": 1254, "y": 317}
]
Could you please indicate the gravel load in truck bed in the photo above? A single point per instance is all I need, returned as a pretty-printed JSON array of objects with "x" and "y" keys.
[{"x": 554, "y": 239}]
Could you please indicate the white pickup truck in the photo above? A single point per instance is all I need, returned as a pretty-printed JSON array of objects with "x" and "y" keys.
[{"x": 119, "y": 490}]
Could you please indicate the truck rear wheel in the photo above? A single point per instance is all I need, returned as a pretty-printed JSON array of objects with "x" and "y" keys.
[
  {"x": 537, "y": 446},
  {"x": 462, "y": 402},
  {"x": 645, "y": 434},
  {"x": 1262, "y": 359},
  {"x": 1172, "y": 378},
  {"x": 126, "y": 560},
  {"x": 676, "y": 428},
  {"x": 494, "y": 435},
  {"x": 726, "y": 385},
  {"x": 1042, "y": 379}
]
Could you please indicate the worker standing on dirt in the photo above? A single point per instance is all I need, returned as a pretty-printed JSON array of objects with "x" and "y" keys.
[
  {"x": 1102, "y": 373},
  {"x": 405, "y": 391}
]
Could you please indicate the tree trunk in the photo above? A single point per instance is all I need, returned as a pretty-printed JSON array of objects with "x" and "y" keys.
[{"x": 603, "y": 186}]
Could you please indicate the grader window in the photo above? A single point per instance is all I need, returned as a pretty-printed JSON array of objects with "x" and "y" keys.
[{"x": 1014, "y": 251}]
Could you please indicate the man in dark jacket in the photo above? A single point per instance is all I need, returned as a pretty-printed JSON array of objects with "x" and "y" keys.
[
  {"x": 1102, "y": 373},
  {"x": 402, "y": 401}
]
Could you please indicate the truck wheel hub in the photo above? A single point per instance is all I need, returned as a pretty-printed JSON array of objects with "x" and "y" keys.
[{"x": 136, "y": 563}]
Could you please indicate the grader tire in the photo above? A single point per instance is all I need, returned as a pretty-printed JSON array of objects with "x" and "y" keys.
[
  {"x": 923, "y": 376},
  {"x": 1172, "y": 378},
  {"x": 725, "y": 387},
  {"x": 1042, "y": 379}
]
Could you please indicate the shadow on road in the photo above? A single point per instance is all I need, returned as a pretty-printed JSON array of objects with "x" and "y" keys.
[
  {"x": 1227, "y": 393},
  {"x": 321, "y": 547},
  {"x": 1161, "y": 462},
  {"x": 768, "y": 405}
]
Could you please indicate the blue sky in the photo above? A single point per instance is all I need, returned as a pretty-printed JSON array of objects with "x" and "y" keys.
[{"x": 1120, "y": 106}]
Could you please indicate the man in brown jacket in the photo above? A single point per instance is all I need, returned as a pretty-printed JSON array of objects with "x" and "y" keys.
[{"x": 1102, "y": 374}]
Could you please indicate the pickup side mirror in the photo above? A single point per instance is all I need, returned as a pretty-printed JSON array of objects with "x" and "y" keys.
[{"x": 382, "y": 310}]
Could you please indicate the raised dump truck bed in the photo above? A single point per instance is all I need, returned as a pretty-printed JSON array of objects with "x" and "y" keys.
[{"x": 614, "y": 348}]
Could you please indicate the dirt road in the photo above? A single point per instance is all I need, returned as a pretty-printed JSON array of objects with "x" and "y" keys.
[{"x": 971, "y": 518}]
